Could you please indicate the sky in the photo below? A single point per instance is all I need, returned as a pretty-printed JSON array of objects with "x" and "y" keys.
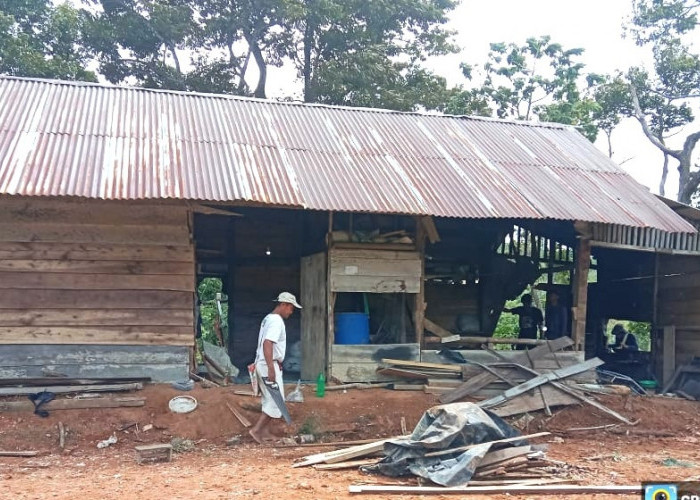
[{"x": 594, "y": 25}]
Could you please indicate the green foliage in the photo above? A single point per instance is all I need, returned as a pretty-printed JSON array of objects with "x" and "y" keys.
[
  {"x": 664, "y": 92},
  {"x": 641, "y": 330},
  {"x": 38, "y": 39},
  {"x": 654, "y": 20},
  {"x": 360, "y": 53},
  {"x": 140, "y": 39},
  {"x": 539, "y": 79},
  {"x": 207, "y": 290}
]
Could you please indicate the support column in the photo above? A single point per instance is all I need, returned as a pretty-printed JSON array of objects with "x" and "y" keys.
[{"x": 580, "y": 292}]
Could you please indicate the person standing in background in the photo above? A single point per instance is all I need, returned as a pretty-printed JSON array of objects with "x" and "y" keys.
[
  {"x": 530, "y": 319},
  {"x": 555, "y": 317}
]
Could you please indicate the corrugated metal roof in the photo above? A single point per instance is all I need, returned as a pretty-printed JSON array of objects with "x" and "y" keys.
[{"x": 95, "y": 141}]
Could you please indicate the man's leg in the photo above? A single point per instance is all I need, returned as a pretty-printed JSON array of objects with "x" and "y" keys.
[{"x": 259, "y": 431}]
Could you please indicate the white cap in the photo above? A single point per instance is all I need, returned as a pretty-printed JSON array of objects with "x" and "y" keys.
[{"x": 288, "y": 298}]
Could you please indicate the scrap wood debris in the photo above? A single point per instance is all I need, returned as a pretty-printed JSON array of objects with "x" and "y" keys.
[
  {"x": 509, "y": 386},
  {"x": 452, "y": 445}
]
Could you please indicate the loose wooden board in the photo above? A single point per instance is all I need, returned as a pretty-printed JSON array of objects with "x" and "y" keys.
[{"x": 73, "y": 404}]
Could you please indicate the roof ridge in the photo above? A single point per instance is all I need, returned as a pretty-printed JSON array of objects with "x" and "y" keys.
[{"x": 80, "y": 83}]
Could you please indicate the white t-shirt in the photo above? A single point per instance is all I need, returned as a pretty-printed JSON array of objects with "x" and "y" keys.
[{"x": 272, "y": 329}]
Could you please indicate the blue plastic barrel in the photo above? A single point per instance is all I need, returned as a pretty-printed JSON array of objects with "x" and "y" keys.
[{"x": 351, "y": 328}]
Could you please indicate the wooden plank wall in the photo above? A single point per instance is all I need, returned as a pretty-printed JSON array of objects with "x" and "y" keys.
[
  {"x": 161, "y": 363},
  {"x": 95, "y": 273},
  {"x": 375, "y": 271},
  {"x": 679, "y": 303},
  {"x": 447, "y": 303}
]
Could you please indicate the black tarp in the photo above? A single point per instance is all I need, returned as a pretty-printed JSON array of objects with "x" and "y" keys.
[{"x": 441, "y": 428}]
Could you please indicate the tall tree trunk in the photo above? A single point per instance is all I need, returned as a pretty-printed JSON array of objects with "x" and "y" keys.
[
  {"x": 308, "y": 43},
  {"x": 262, "y": 67},
  {"x": 608, "y": 136},
  {"x": 664, "y": 175}
]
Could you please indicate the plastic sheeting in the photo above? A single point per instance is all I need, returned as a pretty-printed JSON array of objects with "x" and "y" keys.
[
  {"x": 220, "y": 357},
  {"x": 441, "y": 428}
]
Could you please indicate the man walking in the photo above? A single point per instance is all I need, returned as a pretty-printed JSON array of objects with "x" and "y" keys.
[{"x": 272, "y": 346}]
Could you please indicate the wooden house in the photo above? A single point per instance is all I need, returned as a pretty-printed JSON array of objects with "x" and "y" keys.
[{"x": 115, "y": 202}]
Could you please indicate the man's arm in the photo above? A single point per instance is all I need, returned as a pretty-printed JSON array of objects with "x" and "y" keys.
[{"x": 267, "y": 352}]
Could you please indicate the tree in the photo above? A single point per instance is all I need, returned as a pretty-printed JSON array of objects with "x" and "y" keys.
[
  {"x": 536, "y": 80},
  {"x": 612, "y": 97},
  {"x": 360, "y": 53},
  {"x": 661, "y": 98},
  {"x": 256, "y": 26},
  {"x": 38, "y": 39},
  {"x": 141, "y": 40}
]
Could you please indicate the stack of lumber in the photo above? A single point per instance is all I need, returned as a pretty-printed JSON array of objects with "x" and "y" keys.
[
  {"x": 418, "y": 371},
  {"x": 503, "y": 464}
]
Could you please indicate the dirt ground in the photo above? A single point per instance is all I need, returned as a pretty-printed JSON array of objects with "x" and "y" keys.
[{"x": 667, "y": 429}]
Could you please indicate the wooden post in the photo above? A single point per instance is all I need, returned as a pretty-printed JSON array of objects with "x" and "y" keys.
[
  {"x": 330, "y": 300},
  {"x": 668, "y": 366},
  {"x": 580, "y": 291},
  {"x": 419, "y": 305}
]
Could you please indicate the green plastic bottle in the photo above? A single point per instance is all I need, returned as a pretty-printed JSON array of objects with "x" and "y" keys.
[{"x": 320, "y": 385}]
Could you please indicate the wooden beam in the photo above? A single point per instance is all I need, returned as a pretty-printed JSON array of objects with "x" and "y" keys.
[
  {"x": 481, "y": 380},
  {"x": 4, "y": 453},
  {"x": 576, "y": 394},
  {"x": 430, "y": 229},
  {"x": 484, "y": 340},
  {"x": 241, "y": 418},
  {"x": 436, "y": 329},
  {"x": 508, "y": 489},
  {"x": 540, "y": 380},
  {"x": 418, "y": 365},
  {"x": 580, "y": 289},
  {"x": 346, "y": 453},
  {"x": 62, "y": 389},
  {"x": 74, "y": 404},
  {"x": 668, "y": 365}
]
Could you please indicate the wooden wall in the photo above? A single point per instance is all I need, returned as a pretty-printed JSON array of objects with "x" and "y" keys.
[
  {"x": 95, "y": 273},
  {"x": 375, "y": 271},
  {"x": 449, "y": 302},
  {"x": 679, "y": 303}
]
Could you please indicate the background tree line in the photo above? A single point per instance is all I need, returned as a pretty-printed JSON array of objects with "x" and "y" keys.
[{"x": 367, "y": 53}]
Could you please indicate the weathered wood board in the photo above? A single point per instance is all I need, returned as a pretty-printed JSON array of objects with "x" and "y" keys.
[
  {"x": 359, "y": 363},
  {"x": 548, "y": 362},
  {"x": 313, "y": 316},
  {"x": 375, "y": 271},
  {"x": 160, "y": 363}
]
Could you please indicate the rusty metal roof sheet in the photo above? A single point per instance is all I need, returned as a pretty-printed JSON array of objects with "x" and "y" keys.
[{"x": 95, "y": 141}]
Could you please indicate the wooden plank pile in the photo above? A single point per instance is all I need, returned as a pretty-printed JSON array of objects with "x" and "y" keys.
[
  {"x": 510, "y": 386},
  {"x": 507, "y": 463}
]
